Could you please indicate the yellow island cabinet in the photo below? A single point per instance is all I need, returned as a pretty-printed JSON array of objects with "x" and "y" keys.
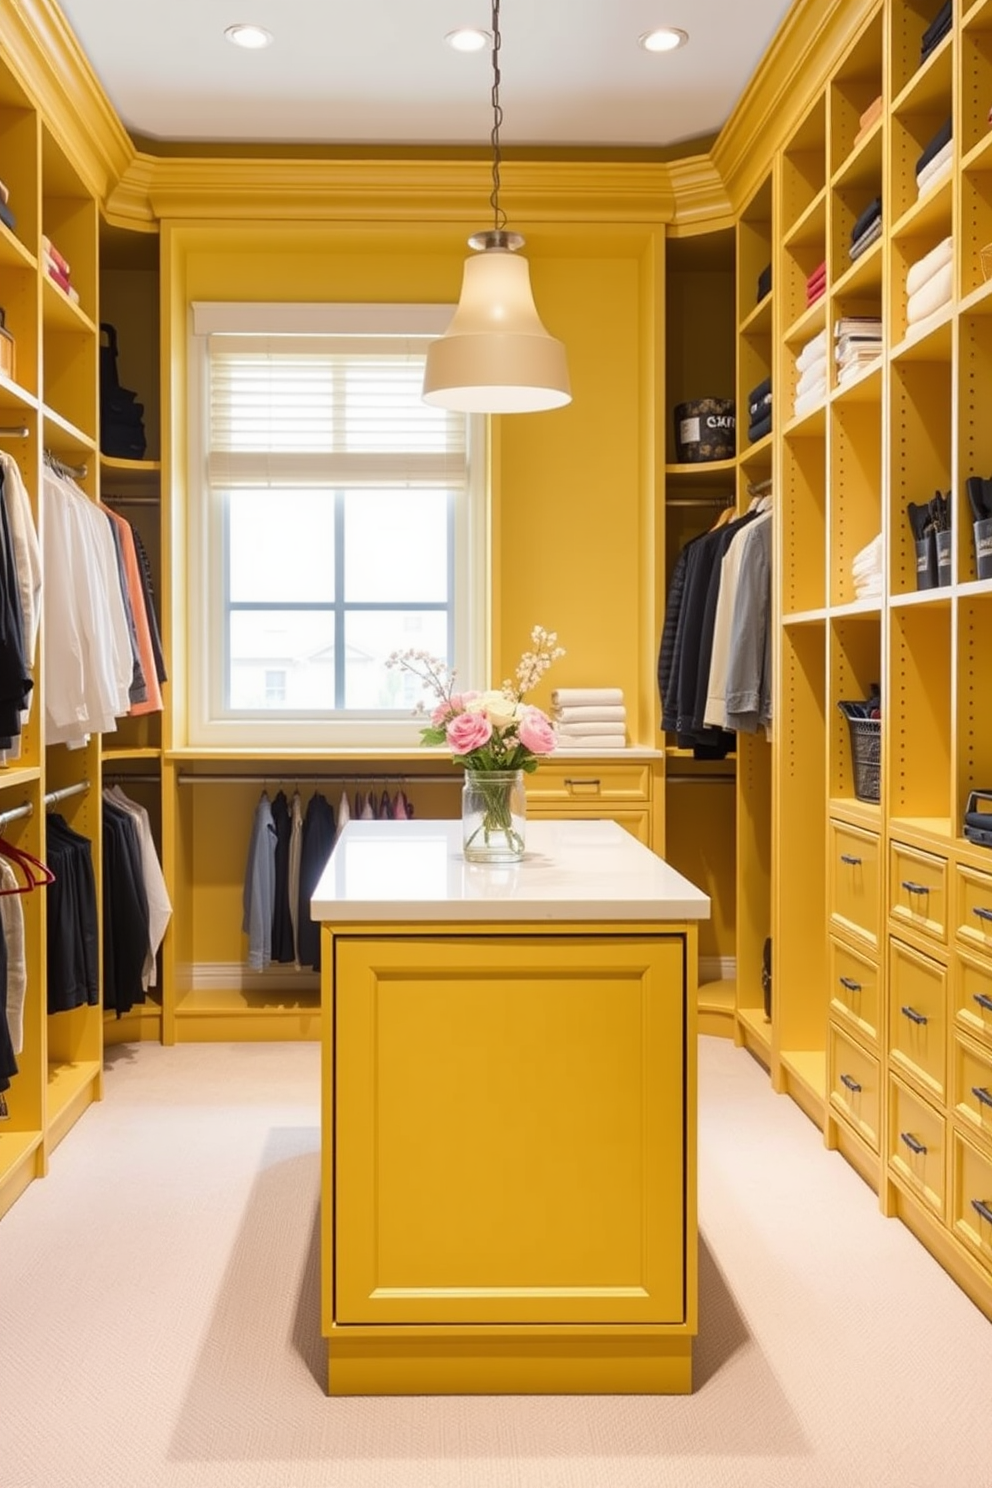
[{"x": 509, "y": 1114}]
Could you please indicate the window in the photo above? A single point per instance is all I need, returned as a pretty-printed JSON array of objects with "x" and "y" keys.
[{"x": 336, "y": 518}]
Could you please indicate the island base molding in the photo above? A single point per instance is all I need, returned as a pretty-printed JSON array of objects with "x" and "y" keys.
[{"x": 528, "y": 1362}]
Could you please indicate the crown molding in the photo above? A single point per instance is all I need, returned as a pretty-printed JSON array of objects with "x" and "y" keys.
[
  {"x": 194, "y": 189},
  {"x": 699, "y": 193},
  {"x": 56, "y": 74},
  {"x": 804, "y": 51}
]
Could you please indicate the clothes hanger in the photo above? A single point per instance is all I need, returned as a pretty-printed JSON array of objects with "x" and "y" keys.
[{"x": 27, "y": 863}]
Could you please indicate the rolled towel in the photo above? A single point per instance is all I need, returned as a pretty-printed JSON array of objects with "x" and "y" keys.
[
  {"x": 935, "y": 294},
  {"x": 586, "y": 697},
  {"x": 812, "y": 349},
  {"x": 927, "y": 266},
  {"x": 595, "y": 741},
  {"x": 581, "y": 730},
  {"x": 571, "y": 714}
]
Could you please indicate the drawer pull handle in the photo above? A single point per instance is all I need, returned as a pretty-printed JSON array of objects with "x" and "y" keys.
[
  {"x": 983, "y": 1210},
  {"x": 983, "y": 1001},
  {"x": 914, "y": 888},
  {"x": 850, "y": 984},
  {"x": 851, "y": 1083},
  {"x": 576, "y": 784},
  {"x": 983, "y": 1096},
  {"x": 983, "y": 914},
  {"x": 914, "y": 1017},
  {"x": 853, "y": 862},
  {"x": 912, "y": 1143}
]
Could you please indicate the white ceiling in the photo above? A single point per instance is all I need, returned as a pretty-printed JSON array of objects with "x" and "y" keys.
[{"x": 378, "y": 72}]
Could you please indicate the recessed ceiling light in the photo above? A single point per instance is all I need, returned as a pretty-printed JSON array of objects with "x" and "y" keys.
[
  {"x": 468, "y": 40},
  {"x": 665, "y": 39},
  {"x": 251, "y": 37}
]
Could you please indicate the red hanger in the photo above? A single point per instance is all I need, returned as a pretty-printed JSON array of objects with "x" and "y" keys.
[{"x": 27, "y": 864}]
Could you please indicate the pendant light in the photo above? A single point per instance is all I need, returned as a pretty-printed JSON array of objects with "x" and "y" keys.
[{"x": 496, "y": 356}]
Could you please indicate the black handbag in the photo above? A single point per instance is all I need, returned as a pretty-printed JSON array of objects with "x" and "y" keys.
[{"x": 122, "y": 427}]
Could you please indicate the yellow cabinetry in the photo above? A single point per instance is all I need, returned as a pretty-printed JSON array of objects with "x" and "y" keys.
[{"x": 587, "y": 789}]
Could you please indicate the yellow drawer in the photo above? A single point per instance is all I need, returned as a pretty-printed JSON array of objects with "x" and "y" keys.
[
  {"x": 918, "y": 1016},
  {"x": 854, "y": 989},
  {"x": 971, "y": 1199},
  {"x": 917, "y": 1145},
  {"x": 855, "y": 881},
  {"x": 971, "y": 1086},
  {"x": 589, "y": 781},
  {"x": 636, "y": 821},
  {"x": 918, "y": 890},
  {"x": 853, "y": 1078},
  {"x": 973, "y": 907},
  {"x": 973, "y": 996}
]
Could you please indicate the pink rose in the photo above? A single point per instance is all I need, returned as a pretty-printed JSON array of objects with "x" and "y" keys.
[
  {"x": 468, "y": 731},
  {"x": 452, "y": 706},
  {"x": 536, "y": 733}
]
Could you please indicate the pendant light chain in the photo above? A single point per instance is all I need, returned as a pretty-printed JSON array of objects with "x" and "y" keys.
[{"x": 499, "y": 216}]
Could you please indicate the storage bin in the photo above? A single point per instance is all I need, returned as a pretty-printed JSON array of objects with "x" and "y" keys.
[
  {"x": 705, "y": 429},
  {"x": 866, "y": 752}
]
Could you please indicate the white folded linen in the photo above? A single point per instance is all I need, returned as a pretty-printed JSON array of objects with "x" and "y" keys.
[
  {"x": 869, "y": 560},
  {"x": 577, "y": 730},
  {"x": 858, "y": 364},
  {"x": 935, "y": 294},
  {"x": 589, "y": 715},
  {"x": 815, "y": 373},
  {"x": 593, "y": 741},
  {"x": 938, "y": 164},
  {"x": 812, "y": 349},
  {"x": 927, "y": 266},
  {"x": 812, "y": 399},
  {"x": 586, "y": 697}
]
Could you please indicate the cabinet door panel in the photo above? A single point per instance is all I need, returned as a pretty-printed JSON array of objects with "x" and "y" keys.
[
  {"x": 509, "y": 1129},
  {"x": 855, "y": 881}
]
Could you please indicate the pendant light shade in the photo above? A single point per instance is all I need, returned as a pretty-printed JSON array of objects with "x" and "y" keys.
[{"x": 496, "y": 356}]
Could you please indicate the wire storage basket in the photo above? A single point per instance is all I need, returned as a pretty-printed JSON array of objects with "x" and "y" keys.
[{"x": 866, "y": 750}]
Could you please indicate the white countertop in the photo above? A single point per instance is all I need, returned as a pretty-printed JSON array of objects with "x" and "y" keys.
[{"x": 572, "y": 870}]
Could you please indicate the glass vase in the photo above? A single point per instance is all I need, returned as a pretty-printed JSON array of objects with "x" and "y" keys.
[{"x": 494, "y": 816}]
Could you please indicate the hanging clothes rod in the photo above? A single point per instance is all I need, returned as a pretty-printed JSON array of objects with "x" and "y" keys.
[
  {"x": 52, "y": 798},
  {"x": 354, "y": 778},
  {"x": 18, "y": 813},
  {"x": 690, "y": 501},
  {"x": 722, "y": 779},
  {"x": 70, "y": 472},
  {"x": 759, "y": 488},
  {"x": 14, "y": 431},
  {"x": 123, "y": 500},
  {"x": 120, "y": 777}
]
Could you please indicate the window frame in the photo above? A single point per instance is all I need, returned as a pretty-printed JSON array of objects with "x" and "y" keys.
[{"x": 209, "y": 722}]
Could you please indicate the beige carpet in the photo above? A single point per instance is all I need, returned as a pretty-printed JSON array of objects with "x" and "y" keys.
[{"x": 159, "y": 1316}]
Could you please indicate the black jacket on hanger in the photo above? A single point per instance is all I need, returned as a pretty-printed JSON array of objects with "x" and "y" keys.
[{"x": 316, "y": 846}]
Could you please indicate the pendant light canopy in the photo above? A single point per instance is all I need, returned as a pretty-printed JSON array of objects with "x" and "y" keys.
[{"x": 496, "y": 356}]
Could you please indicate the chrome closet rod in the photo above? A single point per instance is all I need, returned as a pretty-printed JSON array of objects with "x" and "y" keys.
[
  {"x": 130, "y": 500},
  {"x": 700, "y": 501},
  {"x": 722, "y": 779},
  {"x": 14, "y": 431},
  {"x": 52, "y": 798},
  {"x": 16, "y": 814},
  {"x": 119, "y": 777},
  {"x": 274, "y": 777}
]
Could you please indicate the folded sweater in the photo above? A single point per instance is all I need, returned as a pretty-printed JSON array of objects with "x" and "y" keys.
[
  {"x": 928, "y": 265},
  {"x": 936, "y": 293},
  {"x": 586, "y": 697}
]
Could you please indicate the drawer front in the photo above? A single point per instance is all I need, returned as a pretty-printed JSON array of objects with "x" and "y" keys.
[
  {"x": 586, "y": 781},
  {"x": 637, "y": 822},
  {"x": 971, "y": 1087},
  {"x": 853, "y": 1076},
  {"x": 973, "y": 907},
  {"x": 855, "y": 881},
  {"x": 973, "y": 997},
  {"x": 918, "y": 890},
  {"x": 971, "y": 1199},
  {"x": 918, "y": 1016},
  {"x": 917, "y": 1145},
  {"x": 854, "y": 990}
]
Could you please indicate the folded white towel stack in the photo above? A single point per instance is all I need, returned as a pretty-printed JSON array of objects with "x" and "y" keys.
[
  {"x": 866, "y": 567},
  {"x": 589, "y": 717},
  {"x": 811, "y": 365},
  {"x": 930, "y": 282}
]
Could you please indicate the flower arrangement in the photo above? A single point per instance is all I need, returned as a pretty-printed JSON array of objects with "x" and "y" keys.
[
  {"x": 494, "y": 730},
  {"x": 494, "y": 735}
]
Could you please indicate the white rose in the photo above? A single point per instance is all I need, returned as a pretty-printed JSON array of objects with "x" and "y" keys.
[{"x": 498, "y": 708}]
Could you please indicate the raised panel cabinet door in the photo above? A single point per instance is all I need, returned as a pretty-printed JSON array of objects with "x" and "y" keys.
[
  {"x": 855, "y": 1085},
  {"x": 917, "y": 1146},
  {"x": 971, "y": 1199},
  {"x": 854, "y": 991},
  {"x": 509, "y": 1129},
  {"x": 635, "y": 821},
  {"x": 973, "y": 907},
  {"x": 587, "y": 781},
  {"x": 918, "y": 883},
  {"x": 918, "y": 1017}
]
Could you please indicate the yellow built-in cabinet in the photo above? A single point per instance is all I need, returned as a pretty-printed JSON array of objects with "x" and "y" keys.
[{"x": 652, "y": 273}]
